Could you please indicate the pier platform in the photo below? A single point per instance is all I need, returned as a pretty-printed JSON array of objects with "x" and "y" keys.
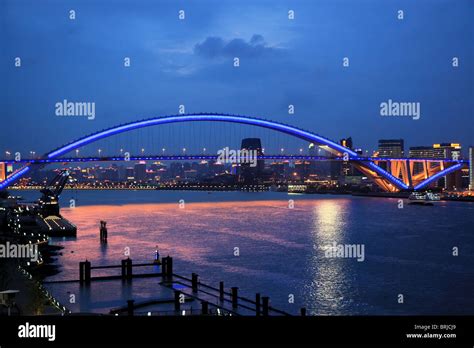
[{"x": 148, "y": 289}]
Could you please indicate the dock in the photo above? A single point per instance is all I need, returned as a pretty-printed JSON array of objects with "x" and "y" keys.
[{"x": 171, "y": 294}]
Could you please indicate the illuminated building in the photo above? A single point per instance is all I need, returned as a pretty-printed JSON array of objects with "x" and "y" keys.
[
  {"x": 140, "y": 171},
  {"x": 249, "y": 174},
  {"x": 471, "y": 168},
  {"x": 391, "y": 148},
  {"x": 449, "y": 151}
]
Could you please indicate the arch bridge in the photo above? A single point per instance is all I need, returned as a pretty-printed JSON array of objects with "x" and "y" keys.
[{"x": 392, "y": 176}]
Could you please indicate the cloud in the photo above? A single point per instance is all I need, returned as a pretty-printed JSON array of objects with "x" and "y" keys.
[{"x": 214, "y": 47}]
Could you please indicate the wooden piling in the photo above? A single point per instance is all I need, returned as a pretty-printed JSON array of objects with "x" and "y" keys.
[
  {"x": 205, "y": 307},
  {"x": 235, "y": 297},
  {"x": 257, "y": 304},
  {"x": 130, "y": 307},
  {"x": 221, "y": 291},
  {"x": 265, "y": 305},
  {"x": 194, "y": 282},
  {"x": 177, "y": 304},
  {"x": 87, "y": 272}
]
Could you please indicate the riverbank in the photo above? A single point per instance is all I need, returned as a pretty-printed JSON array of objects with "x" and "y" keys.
[{"x": 25, "y": 277}]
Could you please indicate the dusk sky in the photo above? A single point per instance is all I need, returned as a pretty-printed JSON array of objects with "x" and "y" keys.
[{"x": 282, "y": 62}]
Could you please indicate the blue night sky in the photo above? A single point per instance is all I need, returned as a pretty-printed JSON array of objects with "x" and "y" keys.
[{"x": 282, "y": 62}]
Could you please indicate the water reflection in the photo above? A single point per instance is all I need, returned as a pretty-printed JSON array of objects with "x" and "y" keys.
[{"x": 329, "y": 275}]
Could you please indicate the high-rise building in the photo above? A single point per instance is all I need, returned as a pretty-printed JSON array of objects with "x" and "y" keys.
[
  {"x": 249, "y": 174},
  {"x": 471, "y": 168},
  {"x": 391, "y": 148},
  {"x": 421, "y": 152},
  {"x": 447, "y": 150},
  {"x": 129, "y": 173},
  {"x": 140, "y": 171}
]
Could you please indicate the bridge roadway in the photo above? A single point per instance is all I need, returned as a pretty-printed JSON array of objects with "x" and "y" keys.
[{"x": 204, "y": 157}]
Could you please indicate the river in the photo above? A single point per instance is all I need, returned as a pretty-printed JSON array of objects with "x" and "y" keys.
[{"x": 263, "y": 242}]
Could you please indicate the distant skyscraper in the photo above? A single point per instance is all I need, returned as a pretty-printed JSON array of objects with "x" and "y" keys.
[
  {"x": 421, "y": 152},
  {"x": 447, "y": 150},
  {"x": 471, "y": 168},
  {"x": 129, "y": 173},
  {"x": 248, "y": 174},
  {"x": 140, "y": 171},
  {"x": 391, "y": 148}
]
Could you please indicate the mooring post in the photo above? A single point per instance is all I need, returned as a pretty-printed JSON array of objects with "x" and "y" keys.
[
  {"x": 257, "y": 304},
  {"x": 105, "y": 232},
  {"x": 87, "y": 272},
  {"x": 265, "y": 305},
  {"x": 177, "y": 303},
  {"x": 194, "y": 282},
  {"x": 124, "y": 269},
  {"x": 129, "y": 269},
  {"x": 303, "y": 311},
  {"x": 235, "y": 296},
  {"x": 205, "y": 307},
  {"x": 81, "y": 272},
  {"x": 164, "y": 266},
  {"x": 130, "y": 307},
  {"x": 221, "y": 291},
  {"x": 169, "y": 268}
]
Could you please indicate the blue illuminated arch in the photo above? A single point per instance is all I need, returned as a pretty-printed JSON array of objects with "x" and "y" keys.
[
  {"x": 438, "y": 176},
  {"x": 280, "y": 127}
]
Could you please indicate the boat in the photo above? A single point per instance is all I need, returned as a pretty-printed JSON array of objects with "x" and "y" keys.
[{"x": 423, "y": 198}]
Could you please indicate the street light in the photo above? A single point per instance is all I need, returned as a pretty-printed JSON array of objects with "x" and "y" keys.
[
  {"x": 184, "y": 150},
  {"x": 99, "y": 151},
  {"x": 77, "y": 152}
]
